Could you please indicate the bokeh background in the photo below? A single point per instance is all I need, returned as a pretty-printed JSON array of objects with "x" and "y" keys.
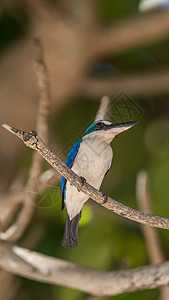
[{"x": 106, "y": 241}]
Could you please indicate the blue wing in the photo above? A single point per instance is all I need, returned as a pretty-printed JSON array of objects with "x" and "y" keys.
[{"x": 69, "y": 162}]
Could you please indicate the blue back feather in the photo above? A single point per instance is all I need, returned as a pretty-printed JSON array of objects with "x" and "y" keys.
[
  {"x": 69, "y": 162},
  {"x": 91, "y": 128}
]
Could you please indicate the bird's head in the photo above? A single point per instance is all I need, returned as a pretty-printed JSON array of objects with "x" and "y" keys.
[{"x": 106, "y": 130}]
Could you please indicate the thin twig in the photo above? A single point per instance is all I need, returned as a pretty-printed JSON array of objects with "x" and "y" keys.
[
  {"x": 44, "y": 90},
  {"x": 152, "y": 240},
  {"x": 11, "y": 203},
  {"x": 103, "y": 108},
  {"x": 153, "y": 244},
  {"x": 15, "y": 231},
  {"x": 39, "y": 267},
  {"x": 32, "y": 140}
]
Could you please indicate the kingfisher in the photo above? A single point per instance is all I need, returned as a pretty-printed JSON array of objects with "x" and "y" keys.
[{"x": 90, "y": 158}]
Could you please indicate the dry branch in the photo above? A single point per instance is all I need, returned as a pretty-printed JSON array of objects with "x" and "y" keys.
[
  {"x": 44, "y": 90},
  {"x": 153, "y": 244},
  {"x": 11, "y": 203},
  {"x": 15, "y": 231},
  {"x": 152, "y": 240},
  {"x": 32, "y": 140},
  {"x": 40, "y": 267},
  {"x": 103, "y": 109}
]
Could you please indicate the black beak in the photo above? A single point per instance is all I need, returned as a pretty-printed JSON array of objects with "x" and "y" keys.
[
  {"x": 116, "y": 128},
  {"x": 118, "y": 125}
]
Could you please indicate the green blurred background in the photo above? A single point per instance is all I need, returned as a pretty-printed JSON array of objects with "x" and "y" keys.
[{"x": 106, "y": 241}]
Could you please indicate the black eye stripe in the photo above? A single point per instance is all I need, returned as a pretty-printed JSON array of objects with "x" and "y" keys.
[{"x": 99, "y": 125}]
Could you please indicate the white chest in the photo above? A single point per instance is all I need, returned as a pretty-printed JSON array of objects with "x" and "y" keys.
[{"x": 92, "y": 162}]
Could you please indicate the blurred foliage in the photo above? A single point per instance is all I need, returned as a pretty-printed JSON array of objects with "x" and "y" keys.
[
  {"x": 106, "y": 240},
  {"x": 111, "y": 11}
]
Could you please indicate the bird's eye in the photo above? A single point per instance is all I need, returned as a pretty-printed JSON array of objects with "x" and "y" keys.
[{"x": 99, "y": 125}]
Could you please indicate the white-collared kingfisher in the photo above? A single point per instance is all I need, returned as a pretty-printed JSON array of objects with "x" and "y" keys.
[{"x": 90, "y": 158}]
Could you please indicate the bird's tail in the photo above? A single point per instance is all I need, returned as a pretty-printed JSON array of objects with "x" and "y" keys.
[{"x": 70, "y": 237}]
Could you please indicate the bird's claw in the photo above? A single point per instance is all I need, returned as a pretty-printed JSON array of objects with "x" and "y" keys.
[
  {"x": 105, "y": 197},
  {"x": 83, "y": 180}
]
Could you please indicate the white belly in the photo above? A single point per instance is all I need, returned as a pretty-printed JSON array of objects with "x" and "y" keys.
[{"x": 92, "y": 162}]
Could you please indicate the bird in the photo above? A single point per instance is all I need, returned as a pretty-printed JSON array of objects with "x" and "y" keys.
[{"x": 90, "y": 158}]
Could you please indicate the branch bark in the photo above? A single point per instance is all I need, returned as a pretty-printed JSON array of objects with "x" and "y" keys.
[
  {"x": 29, "y": 264},
  {"x": 32, "y": 140}
]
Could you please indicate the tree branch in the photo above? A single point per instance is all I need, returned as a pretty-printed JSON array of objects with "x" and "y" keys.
[
  {"x": 40, "y": 267},
  {"x": 103, "y": 109},
  {"x": 152, "y": 240},
  {"x": 32, "y": 140},
  {"x": 15, "y": 231},
  {"x": 153, "y": 244}
]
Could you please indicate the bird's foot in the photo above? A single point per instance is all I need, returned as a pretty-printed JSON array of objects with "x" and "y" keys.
[
  {"x": 105, "y": 197},
  {"x": 83, "y": 181}
]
